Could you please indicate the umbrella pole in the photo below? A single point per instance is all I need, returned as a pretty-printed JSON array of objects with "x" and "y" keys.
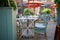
[
  {"x": 34, "y": 7},
  {"x": 28, "y": 3},
  {"x": 34, "y": 10}
]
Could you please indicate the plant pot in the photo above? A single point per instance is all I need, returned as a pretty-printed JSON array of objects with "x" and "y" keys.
[{"x": 8, "y": 24}]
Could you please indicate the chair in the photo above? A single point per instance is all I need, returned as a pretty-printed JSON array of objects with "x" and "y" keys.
[
  {"x": 40, "y": 28},
  {"x": 22, "y": 23}
]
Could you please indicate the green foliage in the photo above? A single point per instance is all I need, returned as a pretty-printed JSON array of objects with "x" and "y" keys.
[
  {"x": 8, "y": 3},
  {"x": 57, "y": 1},
  {"x": 46, "y": 11},
  {"x": 4, "y": 3},
  {"x": 28, "y": 11},
  {"x": 13, "y": 4}
]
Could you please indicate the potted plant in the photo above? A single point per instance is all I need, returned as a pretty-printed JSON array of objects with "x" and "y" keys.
[
  {"x": 46, "y": 11},
  {"x": 28, "y": 11},
  {"x": 57, "y": 2},
  {"x": 46, "y": 14},
  {"x": 8, "y": 10}
]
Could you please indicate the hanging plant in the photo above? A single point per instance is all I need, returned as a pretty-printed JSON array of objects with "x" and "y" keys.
[
  {"x": 28, "y": 11},
  {"x": 46, "y": 11}
]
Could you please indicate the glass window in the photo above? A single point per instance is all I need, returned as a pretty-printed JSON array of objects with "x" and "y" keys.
[
  {"x": 52, "y": 0},
  {"x": 43, "y": 0},
  {"x": 25, "y": 0}
]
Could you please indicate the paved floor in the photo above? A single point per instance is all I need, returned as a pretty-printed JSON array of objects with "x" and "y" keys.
[{"x": 50, "y": 31}]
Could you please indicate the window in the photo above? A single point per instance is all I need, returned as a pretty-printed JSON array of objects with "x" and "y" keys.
[
  {"x": 52, "y": 0},
  {"x": 25, "y": 0},
  {"x": 43, "y": 0}
]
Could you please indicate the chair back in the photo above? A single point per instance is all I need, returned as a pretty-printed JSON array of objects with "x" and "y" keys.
[{"x": 40, "y": 26}]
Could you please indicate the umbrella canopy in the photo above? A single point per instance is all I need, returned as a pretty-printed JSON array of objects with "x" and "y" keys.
[
  {"x": 33, "y": 4},
  {"x": 53, "y": 6}
]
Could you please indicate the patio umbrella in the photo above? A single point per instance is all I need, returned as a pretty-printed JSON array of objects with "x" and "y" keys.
[
  {"x": 53, "y": 6},
  {"x": 34, "y": 4}
]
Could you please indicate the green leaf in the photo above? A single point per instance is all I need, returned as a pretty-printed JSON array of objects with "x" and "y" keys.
[
  {"x": 57, "y": 1},
  {"x": 13, "y": 4},
  {"x": 46, "y": 10},
  {"x": 8, "y": 3},
  {"x": 28, "y": 11}
]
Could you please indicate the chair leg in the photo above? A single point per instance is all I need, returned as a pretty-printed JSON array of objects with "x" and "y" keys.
[
  {"x": 20, "y": 30},
  {"x": 46, "y": 36},
  {"x": 35, "y": 36}
]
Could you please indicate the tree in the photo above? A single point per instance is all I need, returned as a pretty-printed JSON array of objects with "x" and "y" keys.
[{"x": 8, "y": 3}]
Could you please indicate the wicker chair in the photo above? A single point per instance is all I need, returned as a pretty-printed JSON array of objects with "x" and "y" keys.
[{"x": 40, "y": 28}]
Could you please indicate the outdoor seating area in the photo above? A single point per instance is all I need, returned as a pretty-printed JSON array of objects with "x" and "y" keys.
[
  {"x": 34, "y": 21},
  {"x": 29, "y": 20},
  {"x": 31, "y": 26}
]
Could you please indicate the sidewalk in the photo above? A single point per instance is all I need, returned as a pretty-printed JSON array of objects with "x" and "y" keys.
[{"x": 51, "y": 30}]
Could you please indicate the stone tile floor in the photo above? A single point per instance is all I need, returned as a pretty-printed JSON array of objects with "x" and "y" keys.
[{"x": 50, "y": 32}]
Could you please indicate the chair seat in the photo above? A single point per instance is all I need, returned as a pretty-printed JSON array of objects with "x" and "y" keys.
[
  {"x": 39, "y": 25},
  {"x": 39, "y": 30}
]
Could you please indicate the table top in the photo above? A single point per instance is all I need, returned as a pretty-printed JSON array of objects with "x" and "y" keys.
[
  {"x": 28, "y": 17},
  {"x": 40, "y": 25}
]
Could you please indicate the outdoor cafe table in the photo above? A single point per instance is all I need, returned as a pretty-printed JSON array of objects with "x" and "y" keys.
[{"x": 27, "y": 18}]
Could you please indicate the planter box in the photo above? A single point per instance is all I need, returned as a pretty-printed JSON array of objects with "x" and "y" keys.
[
  {"x": 8, "y": 24},
  {"x": 58, "y": 16}
]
